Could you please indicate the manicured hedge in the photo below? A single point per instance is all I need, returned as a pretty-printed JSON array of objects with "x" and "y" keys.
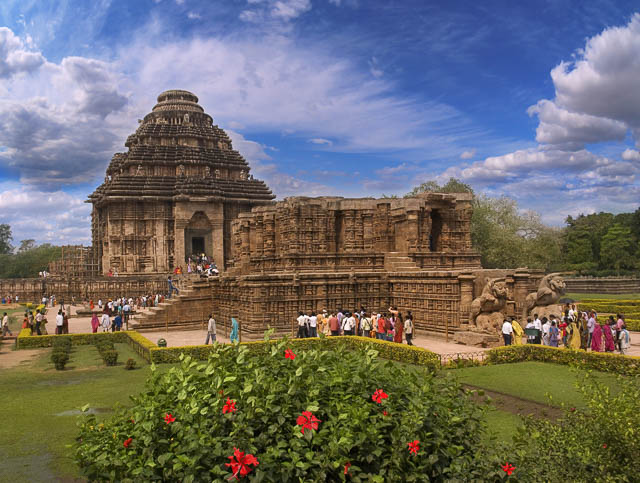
[
  {"x": 387, "y": 350},
  {"x": 600, "y": 361},
  {"x": 27, "y": 341},
  {"x": 138, "y": 342}
]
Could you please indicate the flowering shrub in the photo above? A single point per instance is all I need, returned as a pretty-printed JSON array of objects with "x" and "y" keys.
[{"x": 311, "y": 418}]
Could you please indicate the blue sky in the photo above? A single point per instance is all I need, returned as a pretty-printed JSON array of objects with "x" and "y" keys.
[{"x": 538, "y": 101}]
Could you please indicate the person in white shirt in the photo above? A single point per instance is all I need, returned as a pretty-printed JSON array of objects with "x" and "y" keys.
[
  {"x": 408, "y": 328},
  {"x": 536, "y": 322},
  {"x": 106, "y": 322},
  {"x": 313, "y": 325},
  {"x": 59, "y": 322},
  {"x": 507, "y": 331},
  {"x": 302, "y": 326},
  {"x": 545, "y": 331},
  {"x": 625, "y": 340},
  {"x": 5, "y": 325},
  {"x": 211, "y": 330}
]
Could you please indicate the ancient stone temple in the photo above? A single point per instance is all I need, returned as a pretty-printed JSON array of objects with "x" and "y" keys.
[{"x": 174, "y": 192}]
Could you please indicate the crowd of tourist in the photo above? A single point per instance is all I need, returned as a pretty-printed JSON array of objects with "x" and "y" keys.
[
  {"x": 388, "y": 325},
  {"x": 201, "y": 264},
  {"x": 574, "y": 329}
]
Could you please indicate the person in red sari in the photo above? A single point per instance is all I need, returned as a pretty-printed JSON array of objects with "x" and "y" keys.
[
  {"x": 399, "y": 328},
  {"x": 596, "y": 338},
  {"x": 609, "y": 345}
]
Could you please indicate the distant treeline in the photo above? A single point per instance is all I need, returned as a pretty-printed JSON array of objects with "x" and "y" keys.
[{"x": 27, "y": 260}]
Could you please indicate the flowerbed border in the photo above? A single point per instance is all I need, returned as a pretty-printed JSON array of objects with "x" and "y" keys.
[{"x": 600, "y": 361}]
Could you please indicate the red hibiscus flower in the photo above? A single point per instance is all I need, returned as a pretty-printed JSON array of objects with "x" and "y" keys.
[
  {"x": 307, "y": 421},
  {"x": 347, "y": 465},
  {"x": 384, "y": 413},
  {"x": 127, "y": 442},
  {"x": 288, "y": 354},
  {"x": 604, "y": 446},
  {"x": 379, "y": 395},
  {"x": 132, "y": 421},
  {"x": 240, "y": 463},
  {"x": 229, "y": 407},
  {"x": 508, "y": 469},
  {"x": 414, "y": 447},
  {"x": 168, "y": 418}
]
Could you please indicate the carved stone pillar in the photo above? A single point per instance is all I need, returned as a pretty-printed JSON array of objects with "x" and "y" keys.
[{"x": 466, "y": 281}]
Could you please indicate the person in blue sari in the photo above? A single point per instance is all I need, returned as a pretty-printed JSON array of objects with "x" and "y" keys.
[
  {"x": 554, "y": 333},
  {"x": 234, "y": 330}
]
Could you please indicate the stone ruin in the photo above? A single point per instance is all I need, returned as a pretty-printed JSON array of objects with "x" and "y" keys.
[{"x": 182, "y": 189}]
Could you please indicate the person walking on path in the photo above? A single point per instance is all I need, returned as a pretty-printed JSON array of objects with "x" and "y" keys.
[
  {"x": 609, "y": 345},
  {"x": 211, "y": 330},
  {"x": 39, "y": 319},
  {"x": 5, "y": 325},
  {"x": 302, "y": 325},
  {"x": 625, "y": 340},
  {"x": 554, "y": 334},
  {"x": 234, "y": 331},
  {"x": 59, "y": 322},
  {"x": 106, "y": 322},
  {"x": 398, "y": 329},
  {"x": 507, "y": 332},
  {"x": 408, "y": 328},
  {"x": 596, "y": 339},
  {"x": 591, "y": 325},
  {"x": 518, "y": 332},
  {"x": 95, "y": 323}
]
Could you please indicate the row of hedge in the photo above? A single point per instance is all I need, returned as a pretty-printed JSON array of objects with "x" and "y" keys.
[
  {"x": 139, "y": 343},
  {"x": 386, "y": 350},
  {"x": 600, "y": 361}
]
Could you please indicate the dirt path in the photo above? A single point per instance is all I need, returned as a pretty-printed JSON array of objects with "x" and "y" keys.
[
  {"x": 10, "y": 358},
  {"x": 514, "y": 405}
]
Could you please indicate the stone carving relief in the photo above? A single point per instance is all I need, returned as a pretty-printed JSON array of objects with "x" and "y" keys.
[
  {"x": 207, "y": 172},
  {"x": 217, "y": 174},
  {"x": 243, "y": 174},
  {"x": 180, "y": 171}
]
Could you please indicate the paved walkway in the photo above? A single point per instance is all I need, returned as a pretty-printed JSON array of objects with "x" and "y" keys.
[{"x": 176, "y": 338}]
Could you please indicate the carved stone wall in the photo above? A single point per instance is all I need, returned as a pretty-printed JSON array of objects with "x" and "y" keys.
[
  {"x": 33, "y": 289},
  {"x": 320, "y": 234}
]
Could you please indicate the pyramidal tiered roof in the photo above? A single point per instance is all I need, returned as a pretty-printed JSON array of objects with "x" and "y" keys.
[{"x": 178, "y": 151}]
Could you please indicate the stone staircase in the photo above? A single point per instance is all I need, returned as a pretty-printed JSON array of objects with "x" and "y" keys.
[
  {"x": 187, "y": 310},
  {"x": 397, "y": 262}
]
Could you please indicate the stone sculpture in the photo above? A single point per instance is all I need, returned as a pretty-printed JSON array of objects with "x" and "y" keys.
[
  {"x": 551, "y": 288},
  {"x": 486, "y": 310}
]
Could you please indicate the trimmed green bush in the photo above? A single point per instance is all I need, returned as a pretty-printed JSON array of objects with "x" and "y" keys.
[
  {"x": 59, "y": 359},
  {"x": 130, "y": 364},
  {"x": 185, "y": 425},
  {"x": 110, "y": 357},
  {"x": 600, "y": 361}
]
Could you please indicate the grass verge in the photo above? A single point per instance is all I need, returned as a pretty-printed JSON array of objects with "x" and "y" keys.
[{"x": 41, "y": 405}]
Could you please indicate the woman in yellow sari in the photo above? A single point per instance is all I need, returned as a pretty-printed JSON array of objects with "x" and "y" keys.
[
  {"x": 518, "y": 332},
  {"x": 574, "y": 335}
]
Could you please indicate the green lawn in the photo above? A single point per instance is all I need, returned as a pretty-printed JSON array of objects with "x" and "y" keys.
[
  {"x": 532, "y": 381},
  {"x": 582, "y": 296},
  {"x": 502, "y": 424},
  {"x": 39, "y": 404}
]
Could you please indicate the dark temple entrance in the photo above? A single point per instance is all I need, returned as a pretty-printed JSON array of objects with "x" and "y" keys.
[{"x": 197, "y": 244}]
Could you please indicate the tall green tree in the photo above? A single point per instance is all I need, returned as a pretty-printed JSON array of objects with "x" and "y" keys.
[
  {"x": 5, "y": 239},
  {"x": 616, "y": 249}
]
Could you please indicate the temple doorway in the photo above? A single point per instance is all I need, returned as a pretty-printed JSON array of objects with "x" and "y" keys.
[
  {"x": 197, "y": 244},
  {"x": 198, "y": 237}
]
